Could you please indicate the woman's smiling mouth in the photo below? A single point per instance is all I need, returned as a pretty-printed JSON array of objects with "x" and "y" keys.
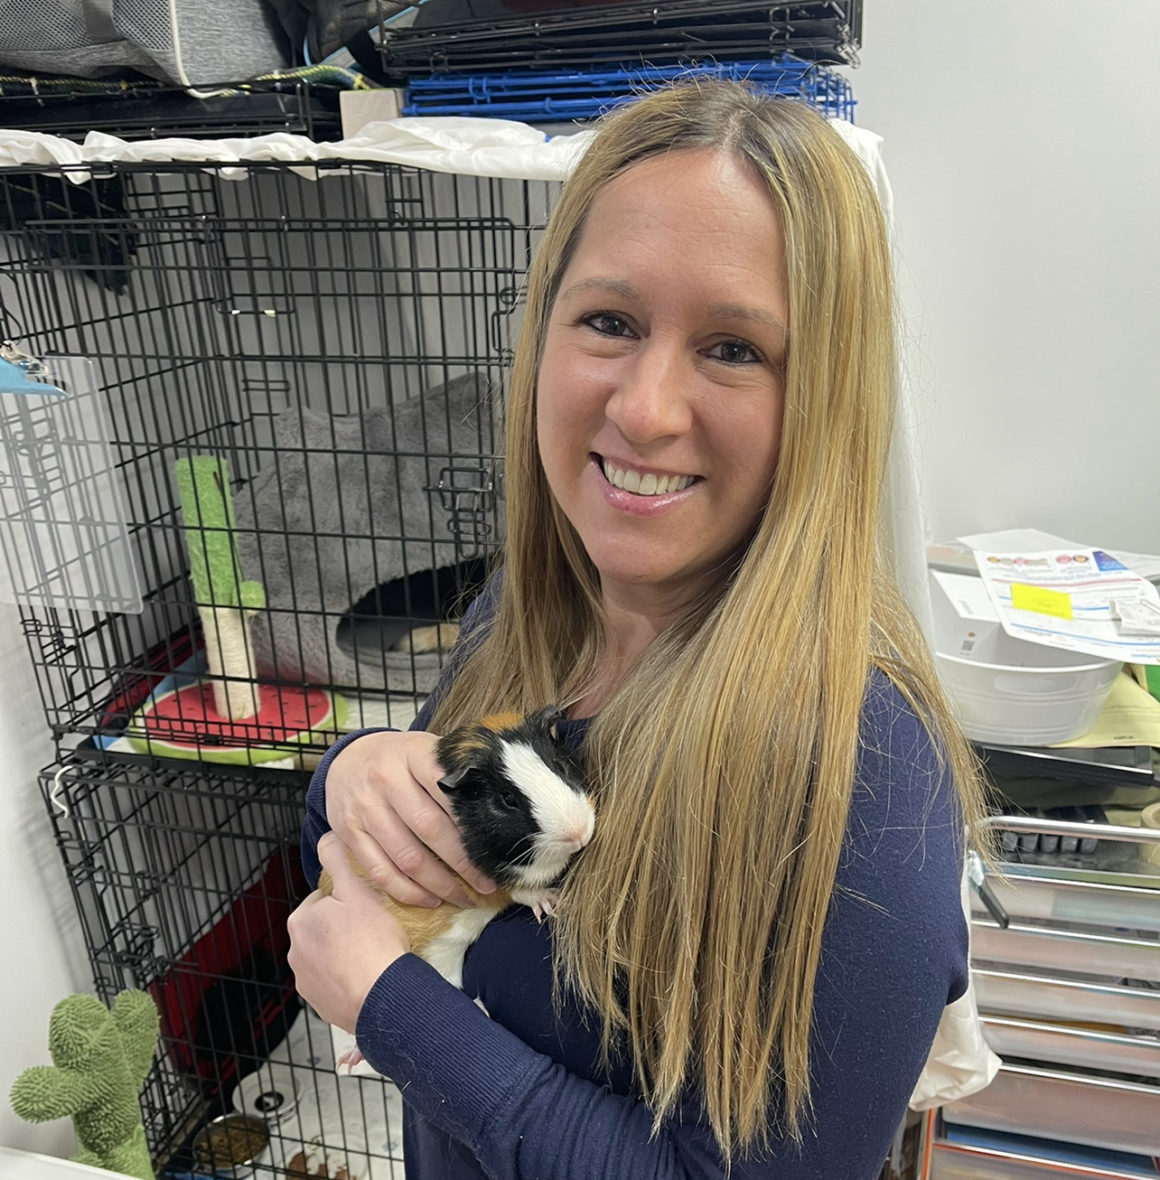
[{"x": 649, "y": 484}]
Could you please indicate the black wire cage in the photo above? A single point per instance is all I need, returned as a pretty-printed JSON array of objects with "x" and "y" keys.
[
  {"x": 183, "y": 883},
  {"x": 259, "y": 406},
  {"x": 273, "y": 476},
  {"x": 449, "y": 36}
]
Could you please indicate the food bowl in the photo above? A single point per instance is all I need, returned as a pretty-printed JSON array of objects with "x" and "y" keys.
[
  {"x": 269, "y": 1093},
  {"x": 1011, "y": 692},
  {"x": 231, "y": 1145}
]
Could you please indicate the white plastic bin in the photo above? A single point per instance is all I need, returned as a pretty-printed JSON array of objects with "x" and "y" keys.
[{"x": 1011, "y": 692}]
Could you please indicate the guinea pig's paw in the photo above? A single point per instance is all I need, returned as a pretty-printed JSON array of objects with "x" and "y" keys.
[
  {"x": 541, "y": 901},
  {"x": 348, "y": 1061}
]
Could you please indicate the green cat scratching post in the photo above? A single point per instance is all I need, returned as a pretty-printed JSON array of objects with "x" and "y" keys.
[
  {"x": 100, "y": 1057},
  {"x": 228, "y": 717}
]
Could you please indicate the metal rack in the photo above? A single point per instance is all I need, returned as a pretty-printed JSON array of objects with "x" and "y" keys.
[
  {"x": 546, "y": 96},
  {"x": 1069, "y": 993},
  {"x": 446, "y": 37},
  {"x": 71, "y": 107}
]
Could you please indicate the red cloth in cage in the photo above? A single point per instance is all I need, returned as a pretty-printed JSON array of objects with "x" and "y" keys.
[{"x": 240, "y": 963}]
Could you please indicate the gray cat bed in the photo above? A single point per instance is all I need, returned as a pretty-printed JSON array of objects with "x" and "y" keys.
[{"x": 342, "y": 506}]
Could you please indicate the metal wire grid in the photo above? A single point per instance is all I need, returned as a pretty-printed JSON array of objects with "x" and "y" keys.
[
  {"x": 71, "y": 108},
  {"x": 537, "y": 96},
  {"x": 183, "y": 882},
  {"x": 212, "y": 309},
  {"x": 827, "y": 31}
]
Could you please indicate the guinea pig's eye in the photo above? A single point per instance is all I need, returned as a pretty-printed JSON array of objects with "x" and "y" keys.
[{"x": 508, "y": 800}]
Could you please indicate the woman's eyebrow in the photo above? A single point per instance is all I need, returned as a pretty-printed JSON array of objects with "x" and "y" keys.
[
  {"x": 740, "y": 311},
  {"x": 620, "y": 287}
]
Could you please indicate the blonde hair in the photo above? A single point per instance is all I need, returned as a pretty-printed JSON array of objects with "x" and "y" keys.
[{"x": 724, "y": 762}]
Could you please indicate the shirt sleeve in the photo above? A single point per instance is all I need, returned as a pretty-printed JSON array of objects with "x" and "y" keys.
[
  {"x": 519, "y": 1112},
  {"x": 894, "y": 954}
]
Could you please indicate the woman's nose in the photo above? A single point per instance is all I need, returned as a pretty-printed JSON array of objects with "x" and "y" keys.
[{"x": 652, "y": 399}]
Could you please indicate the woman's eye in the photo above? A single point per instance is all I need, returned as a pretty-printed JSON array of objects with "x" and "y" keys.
[
  {"x": 607, "y": 324},
  {"x": 735, "y": 352}
]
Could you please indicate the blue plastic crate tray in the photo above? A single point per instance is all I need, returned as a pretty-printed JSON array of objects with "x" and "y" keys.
[{"x": 534, "y": 96}]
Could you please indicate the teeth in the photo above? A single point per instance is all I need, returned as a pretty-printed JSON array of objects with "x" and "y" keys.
[{"x": 645, "y": 485}]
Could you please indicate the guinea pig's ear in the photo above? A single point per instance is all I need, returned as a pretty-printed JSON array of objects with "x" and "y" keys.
[
  {"x": 549, "y": 719},
  {"x": 451, "y": 782},
  {"x": 468, "y": 782}
]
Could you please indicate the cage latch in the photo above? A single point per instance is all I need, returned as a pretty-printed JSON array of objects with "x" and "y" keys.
[{"x": 467, "y": 495}]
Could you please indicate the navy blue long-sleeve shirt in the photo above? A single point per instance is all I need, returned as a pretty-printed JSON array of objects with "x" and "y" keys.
[{"x": 512, "y": 1090}]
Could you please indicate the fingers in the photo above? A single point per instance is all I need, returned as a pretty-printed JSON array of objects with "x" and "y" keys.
[
  {"x": 398, "y": 861},
  {"x": 408, "y": 878},
  {"x": 436, "y": 829},
  {"x": 341, "y": 944},
  {"x": 426, "y": 771},
  {"x": 429, "y": 819},
  {"x": 334, "y": 858},
  {"x": 383, "y": 801}
]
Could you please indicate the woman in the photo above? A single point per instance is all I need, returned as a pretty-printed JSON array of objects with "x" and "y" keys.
[{"x": 749, "y": 961}]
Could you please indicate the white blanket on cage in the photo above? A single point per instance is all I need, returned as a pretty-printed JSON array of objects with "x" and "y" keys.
[
  {"x": 463, "y": 145},
  {"x": 466, "y": 146}
]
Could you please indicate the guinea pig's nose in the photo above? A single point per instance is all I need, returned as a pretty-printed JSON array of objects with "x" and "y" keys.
[{"x": 582, "y": 835}]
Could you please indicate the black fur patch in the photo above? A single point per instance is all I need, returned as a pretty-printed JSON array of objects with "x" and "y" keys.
[{"x": 494, "y": 814}]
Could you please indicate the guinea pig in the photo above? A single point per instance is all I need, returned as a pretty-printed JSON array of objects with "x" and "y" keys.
[
  {"x": 519, "y": 800},
  {"x": 523, "y": 812}
]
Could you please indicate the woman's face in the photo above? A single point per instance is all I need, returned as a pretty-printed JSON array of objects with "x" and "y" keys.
[{"x": 660, "y": 391}]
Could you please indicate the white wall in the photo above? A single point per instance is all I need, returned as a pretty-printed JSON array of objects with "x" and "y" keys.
[
  {"x": 1022, "y": 141},
  {"x": 42, "y": 955}
]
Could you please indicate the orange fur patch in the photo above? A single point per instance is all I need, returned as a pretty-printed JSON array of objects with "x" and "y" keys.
[
  {"x": 467, "y": 740},
  {"x": 422, "y": 924}
]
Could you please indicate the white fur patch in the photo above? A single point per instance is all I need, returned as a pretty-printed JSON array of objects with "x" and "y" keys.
[
  {"x": 564, "y": 815},
  {"x": 446, "y": 950}
]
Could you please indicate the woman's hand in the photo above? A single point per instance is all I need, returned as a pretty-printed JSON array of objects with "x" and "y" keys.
[
  {"x": 340, "y": 944},
  {"x": 383, "y": 802}
]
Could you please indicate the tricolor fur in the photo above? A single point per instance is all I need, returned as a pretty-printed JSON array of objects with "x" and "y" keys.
[
  {"x": 518, "y": 798},
  {"x": 522, "y": 811}
]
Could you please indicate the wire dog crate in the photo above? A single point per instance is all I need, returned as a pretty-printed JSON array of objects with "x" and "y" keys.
[
  {"x": 183, "y": 883},
  {"x": 321, "y": 358},
  {"x": 270, "y": 399}
]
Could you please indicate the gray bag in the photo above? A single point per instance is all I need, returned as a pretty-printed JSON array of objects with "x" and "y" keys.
[{"x": 190, "y": 43}]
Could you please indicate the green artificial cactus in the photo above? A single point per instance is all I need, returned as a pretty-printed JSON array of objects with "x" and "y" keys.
[
  {"x": 203, "y": 488},
  {"x": 225, "y": 602},
  {"x": 100, "y": 1059}
]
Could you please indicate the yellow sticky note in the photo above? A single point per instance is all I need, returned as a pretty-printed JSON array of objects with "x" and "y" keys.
[{"x": 1042, "y": 601}]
